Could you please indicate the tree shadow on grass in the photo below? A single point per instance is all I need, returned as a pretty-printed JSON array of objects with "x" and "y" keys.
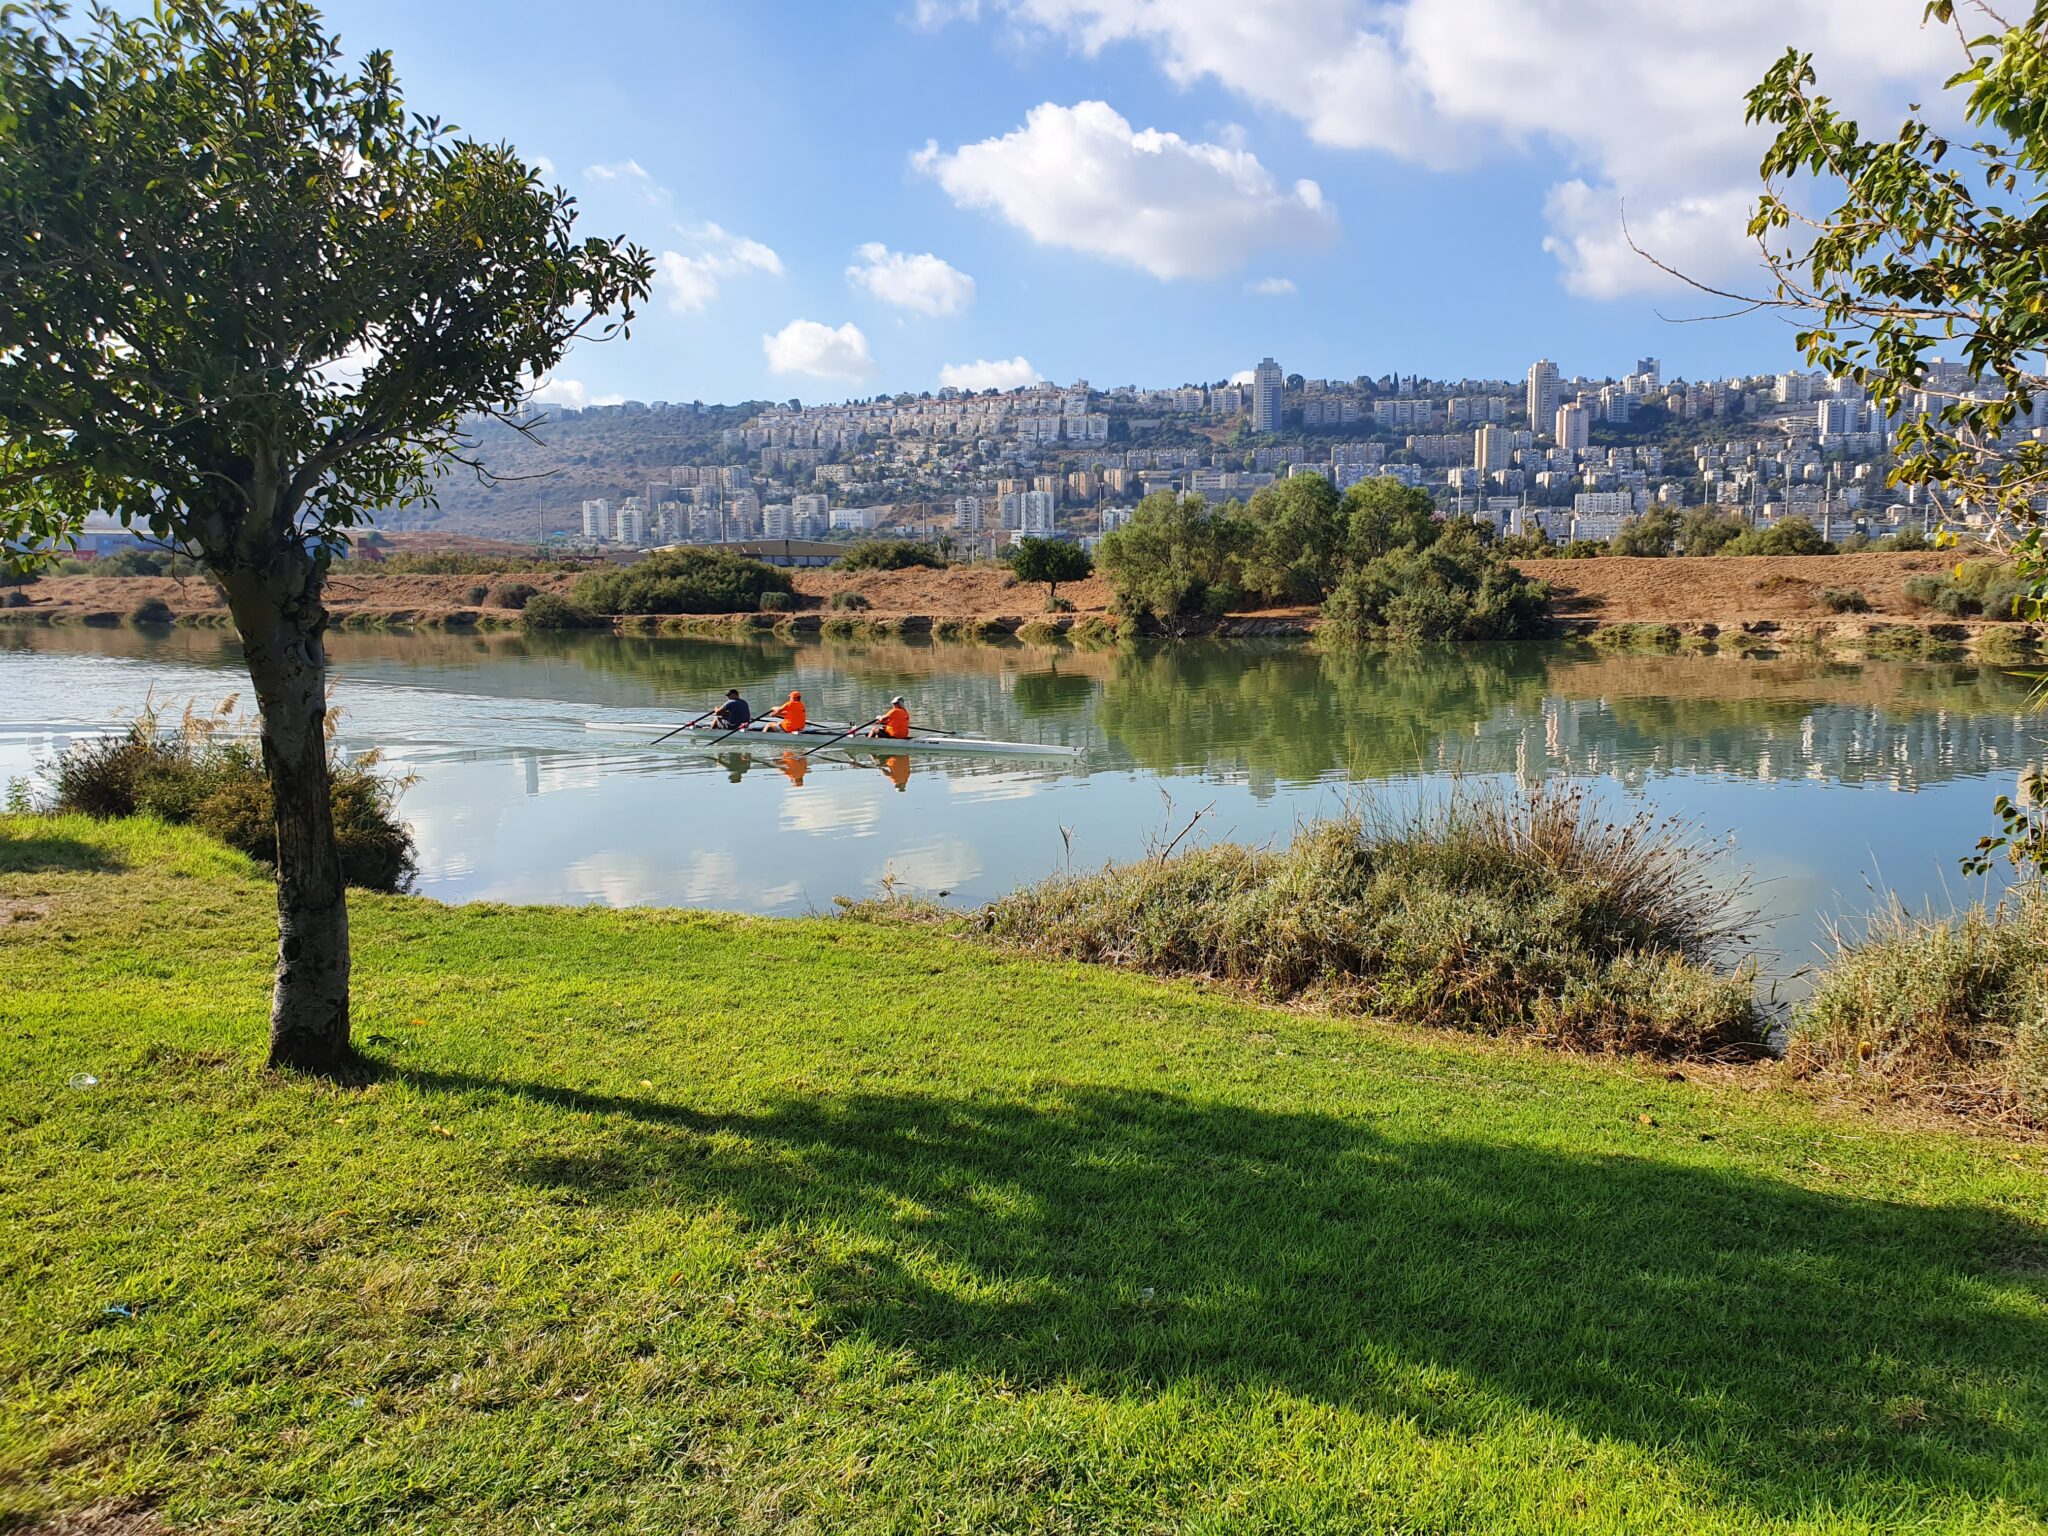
[
  {"x": 1799, "y": 1352},
  {"x": 27, "y": 851}
]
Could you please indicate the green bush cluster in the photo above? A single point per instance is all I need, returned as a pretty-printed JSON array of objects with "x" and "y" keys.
[
  {"x": 1840, "y": 600},
  {"x": 1523, "y": 913},
  {"x": 890, "y": 555},
  {"x": 680, "y": 581},
  {"x": 1787, "y": 536},
  {"x": 151, "y": 610},
  {"x": 777, "y": 602},
  {"x": 1991, "y": 589},
  {"x": 848, "y": 602},
  {"x": 512, "y": 594},
  {"x": 200, "y": 777},
  {"x": 1956, "y": 1007},
  {"x": 546, "y": 610},
  {"x": 1378, "y": 559}
]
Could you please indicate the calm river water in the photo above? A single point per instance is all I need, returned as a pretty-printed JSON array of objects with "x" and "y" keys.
[{"x": 1831, "y": 781}]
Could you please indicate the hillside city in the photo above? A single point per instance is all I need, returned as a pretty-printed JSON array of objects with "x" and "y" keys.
[{"x": 1569, "y": 458}]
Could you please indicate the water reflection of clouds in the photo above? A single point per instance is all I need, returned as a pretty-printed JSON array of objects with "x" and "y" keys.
[
  {"x": 943, "y": 864},
  {"x": 835, "y": 804},
  {"x": 701, "y": 877}
]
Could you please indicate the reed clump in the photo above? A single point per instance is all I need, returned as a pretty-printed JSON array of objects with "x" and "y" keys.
[
  {"x": 1523, "y": 913},
  {"x": 1952, "y": 1009}
]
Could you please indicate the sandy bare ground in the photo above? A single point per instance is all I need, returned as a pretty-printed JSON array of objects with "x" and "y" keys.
[{"x": 1732, "y": 590}]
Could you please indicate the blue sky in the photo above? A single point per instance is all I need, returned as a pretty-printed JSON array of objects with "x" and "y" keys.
[{"x": 1120, "y": 179}]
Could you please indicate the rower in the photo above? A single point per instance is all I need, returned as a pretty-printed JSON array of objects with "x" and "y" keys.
[
  {"x": 733, "y": 714},
  {"x": 790, "y": 712},
  {"x": 895, "y": 722}
]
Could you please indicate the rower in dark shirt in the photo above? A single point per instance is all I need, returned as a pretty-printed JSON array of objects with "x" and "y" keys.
[{"x": 733, "y": 714}]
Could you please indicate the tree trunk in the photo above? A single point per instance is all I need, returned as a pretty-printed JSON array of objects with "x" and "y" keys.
[{"x": 281, "y": 619}]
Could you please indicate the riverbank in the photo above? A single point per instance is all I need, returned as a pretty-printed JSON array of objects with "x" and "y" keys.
[
  {"x": 665, "y": 1219},
  {"x": 1745, "y": 602}
]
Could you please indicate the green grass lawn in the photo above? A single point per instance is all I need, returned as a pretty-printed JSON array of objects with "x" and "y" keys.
[{"x": 660, "y": 1221}]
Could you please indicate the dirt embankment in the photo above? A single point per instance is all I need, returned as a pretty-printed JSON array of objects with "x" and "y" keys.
[{"x": 1771, "y": 595}]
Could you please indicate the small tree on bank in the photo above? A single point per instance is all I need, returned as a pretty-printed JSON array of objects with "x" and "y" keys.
[
  {"x": 246, "y": 300},
  {"x": 1051, "y": 561}
]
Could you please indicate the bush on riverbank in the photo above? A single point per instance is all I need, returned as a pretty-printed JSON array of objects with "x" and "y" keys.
[
  {"x": 1991, "y": 589},
  {"x": 680, "y": 581},
  {"x": 1953, "y": 1009},
  {"x": 1527, "y": 914},
  {"x": 196, "y": 777},
  {"x": 1453, "y": 588},
  {"x": 890, "y": 555},
  {"x": 545, "y": 610}
]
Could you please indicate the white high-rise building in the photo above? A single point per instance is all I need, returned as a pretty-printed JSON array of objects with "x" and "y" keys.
[
  {"x": 1545, "y": 391},
  {"x": 967, "y": 514},
  {"x": 775, "y": 521},
  {"x": 1268, "y": 386},
  {"x": 597, "y": 516},
  {"x": 1035, "y": 513},
  {"x": 1490, "y": 449},
  {"x": 810, "y": 515},
  {"x": 630, "y": 523},
  {"x": 1574, "y": 427}
]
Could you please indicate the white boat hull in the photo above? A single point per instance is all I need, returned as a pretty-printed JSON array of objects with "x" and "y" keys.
[{"x": 697, "y": 738}]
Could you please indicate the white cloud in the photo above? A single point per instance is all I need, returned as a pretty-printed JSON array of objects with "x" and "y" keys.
[
  {"x": 1272, "y": 287},
  {"x": 1084, "y": 178},
  {"x": 631, "y": 173},
  {"x": 691, "y": 280},
  {"x": 572, "y": 393},
  {"x": 1242, "y": 376},
  {"x": 1643, "y": 102},
  {"x": 984, "y": 373},
  {"x": 929, "y": 15},
  {"x": 806, "y": 346},
  {"x": 925, "y": 283}
]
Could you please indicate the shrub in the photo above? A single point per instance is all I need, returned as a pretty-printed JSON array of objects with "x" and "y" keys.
[
  {"x": 1838, "y": 600},
  {"x": 1176, "y": 560},
  {"x": 1703, "y": 532},
  {"x": 890, "y": 555},
  {"x": 1526, "y": 913},
  {"x": 1906, "y": 540},
  {"x": 1921, "y": 591},
  {"x": 777, "y": 602},
  {"x": 1059, "y": 605},
  {"x": 1787, "y": 536},
  {"x": 458, "y": 565},
  {"x": 151, "y": 610},
  {"x": 544, "y": 610},
  {"x": 1653, "y": 535},
  {"x": 1953, "y": 1008},
  {"x": 848, "y": 602},
  {"x": 478, "y": 593},
  {"x": 1456, "y": 588},
  {"x": 199, "y": 777},
  {"x": 681, "y": 581},
  {"x": 512, "y": 594},
  {"x": 1582, "y": 549},
  {"x": 10, "y": 598}
]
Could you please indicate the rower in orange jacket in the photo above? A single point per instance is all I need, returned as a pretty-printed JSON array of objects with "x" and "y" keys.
[
  {"x": 790, "y": 712},
  {"x": 895, "y": 723}
]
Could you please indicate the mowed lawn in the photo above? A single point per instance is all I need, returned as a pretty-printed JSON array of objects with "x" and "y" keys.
[{"x": 659, "y": 1221}]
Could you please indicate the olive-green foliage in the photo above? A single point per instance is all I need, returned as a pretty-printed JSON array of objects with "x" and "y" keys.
[
  {"x": 151, "y": 610},
  {"x": 1177, "y": 559},
  {"x": 1582, "y": 549},
  {"x": 1703, "y": 531},
  {"x": 1787, "y": 536},
  {"x": 777, "y": 602},
  {"x": 848, "y": 601},
  {"x": 512, "y": 594},
  {"x": 1654, "y": 534},
  {"x": 1844, "y": 600},
  {"x": 452, "y": 564},
  {"x": 681, "y": 581},
  {"x": 1051, "y": 561},
  {"x": 1499, "y": 913},
  {"x": 1957, "y": 1006},
  {"x": 1454, "y": 587},
  {"x": 199, "y": 777},
  {"x": 1297, "y": 552},
  {"x": 478, "y": 593},
  {"x": 1991, "y": 589},
  {"x": 546, "y": 610},
  {"x": 890, "y": 555}
]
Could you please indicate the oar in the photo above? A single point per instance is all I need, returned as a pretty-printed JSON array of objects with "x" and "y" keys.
[
  {"x": 664, "y": 736},
  {"x": 760, "y": 720},
  {"x": 821, "y": 746}
]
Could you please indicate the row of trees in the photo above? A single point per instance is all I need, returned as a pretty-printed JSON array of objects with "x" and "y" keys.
[{"x": 1378, "y": 559}]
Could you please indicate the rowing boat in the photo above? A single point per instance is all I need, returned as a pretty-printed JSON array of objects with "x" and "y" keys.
[{"x": 695, "y": 738}]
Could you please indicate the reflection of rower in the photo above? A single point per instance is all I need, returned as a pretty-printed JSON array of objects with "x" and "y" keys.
[
  {"x": 794, "y": 766},
  {"x": 897, "y": 766}
]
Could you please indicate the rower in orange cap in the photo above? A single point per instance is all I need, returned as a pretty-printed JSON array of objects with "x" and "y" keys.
[{"x": 791, "y": 713}]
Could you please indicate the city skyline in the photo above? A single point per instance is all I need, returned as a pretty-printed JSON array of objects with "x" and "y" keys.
[{"x": 843, "y": 200}]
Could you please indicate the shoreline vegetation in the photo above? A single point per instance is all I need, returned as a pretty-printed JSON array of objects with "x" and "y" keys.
[
  {"x": 1094, "y": 1247},
  {"x": 1877, "y": 605}
]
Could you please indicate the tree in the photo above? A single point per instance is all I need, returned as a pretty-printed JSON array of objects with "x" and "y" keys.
[
  {"x": 246, "y": 300},
  {"x": 1933, "y": 245},
  {"x": 1297, "y": 547},
  {"x": 1176, "y": 559},
  {"x": 1383, "y": 515},
  {"x": 1651, "y": 535},
  {"x": 1703, "y": 531},
  {"x": 1051, "y": 561}
]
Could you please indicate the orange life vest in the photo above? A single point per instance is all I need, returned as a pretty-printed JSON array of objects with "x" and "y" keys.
[
  {"x": 896, "y": 723},
  {"x": 793, "y": 715}
]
